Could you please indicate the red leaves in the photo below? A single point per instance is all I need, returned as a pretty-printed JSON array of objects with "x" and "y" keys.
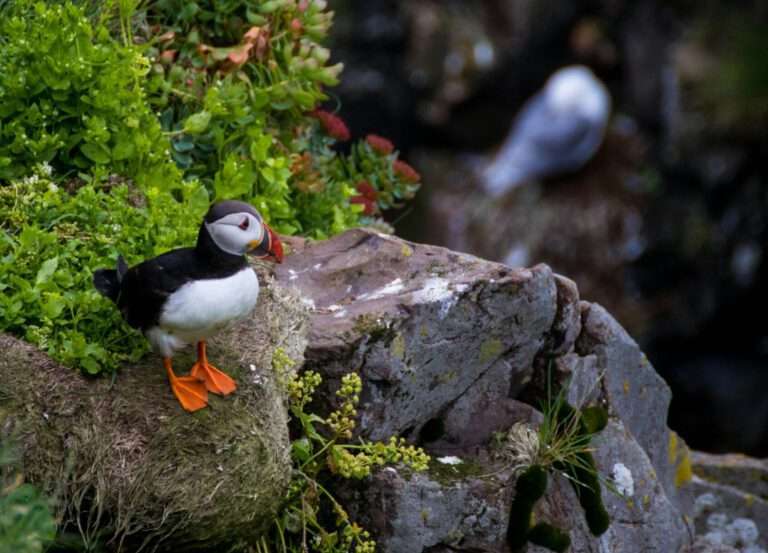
[
  {"x": 255, "y": 44},
  {"x": 334, "y": 126},
  {"x": 367, "y": 198},
  {"x": 168, "y": 56},
  {"x": 405, "y": 171},
  {"x": 380, "y": 144}
]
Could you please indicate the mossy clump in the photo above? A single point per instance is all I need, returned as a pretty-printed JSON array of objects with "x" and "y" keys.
[
  {"x": 581, "y": 468},
  {"x": 129, "y": 466},
  {"x": 548, "y": 536},
  {"x": 595, "y": 418},
  {"x": 587, "y": 487},
  {"x": 530, "y": 487}
]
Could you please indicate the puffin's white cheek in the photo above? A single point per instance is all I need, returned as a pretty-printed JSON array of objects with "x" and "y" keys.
[{"x": 229, "y": 238}]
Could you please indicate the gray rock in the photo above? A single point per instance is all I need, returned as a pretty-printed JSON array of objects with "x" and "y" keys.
[
  {"x": 733, "y": 488},
  {"x": 426, "y": 326},
  {"x": 635, "y": 393},
  {"x": 701, "y": 545},
  {"x": 446, "y": 344}
]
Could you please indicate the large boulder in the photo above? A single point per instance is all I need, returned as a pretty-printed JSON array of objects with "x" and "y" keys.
[
  {"x": 452, "y": 350},
  {"x": 125, "y": 461}
]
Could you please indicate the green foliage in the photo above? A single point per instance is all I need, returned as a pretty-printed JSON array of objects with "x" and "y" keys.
[
  {"x": 70, "y": 95},
  {"x": 562, "y": 444},
  {"x": 26, "y": 522},
  {"x": 529, "y": 488},
  {"x": 52, "y": 241},
  {"x": 565, "y": 435},
  {"x": 548, "y": 536},
  {"x": 321, "y": 452},
  {"x": 235, "y": 84},
  {"x": 238, "y": 84}
]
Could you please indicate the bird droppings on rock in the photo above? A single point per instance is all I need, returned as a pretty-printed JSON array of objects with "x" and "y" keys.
[
  {"x": 622, "y": 479},
  {"x": 449, "y": 460}
]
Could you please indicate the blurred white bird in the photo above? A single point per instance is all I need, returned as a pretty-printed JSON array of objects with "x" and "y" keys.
[{"x": 557, "y": 131}]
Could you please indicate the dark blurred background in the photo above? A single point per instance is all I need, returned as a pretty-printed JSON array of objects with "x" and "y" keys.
[{"x": 667, "y": 226}]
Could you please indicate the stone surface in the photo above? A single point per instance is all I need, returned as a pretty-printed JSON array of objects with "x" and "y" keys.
[
  {"x": 731, "y": 487},
  {"x": 123, "y": 458},
  {"x": 423, "y": 325},
  {"x": 634, "y": 392},
  {"x": 453, "y": 351}
]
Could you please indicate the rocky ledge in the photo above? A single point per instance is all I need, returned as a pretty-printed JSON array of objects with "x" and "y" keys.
[
  {"x": 456, "y": 354},
  {"x": 453, "y": 351}
]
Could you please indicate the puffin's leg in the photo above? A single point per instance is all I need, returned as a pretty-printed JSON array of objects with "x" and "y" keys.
[
  {"x": 190, "y": 392},
  {"x": 215, "y": 380}
]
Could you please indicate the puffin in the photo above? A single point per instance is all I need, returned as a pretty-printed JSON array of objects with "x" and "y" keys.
[{"x": 187, "y": 295}]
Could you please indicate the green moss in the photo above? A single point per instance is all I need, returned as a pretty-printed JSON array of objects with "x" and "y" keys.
[
  {"x": 594, "y": 418},
  {"x": 397, "y": 347},
  {"x": 548, "y": 536},
  {"x": 371, "y": 325},
  {"x": 582, "y": 468},
  {"x": 490, "y": 349},
  {"x": 587, "y": 486},
  {"x": 448, "y": 474},
  {"x": 530, "y": 487}
]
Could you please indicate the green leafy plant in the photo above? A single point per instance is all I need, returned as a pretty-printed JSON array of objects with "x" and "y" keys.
[
  {"x": 321, "y": 452},
  {"x": 71, "y": 96},
  {"x": 238, "y": 84},
  {"x": 235, "y": 84},
  {"x": 51, "y": 241},
  {"x": 562, "y": 445},
  {"x": 26, "y": 522}
]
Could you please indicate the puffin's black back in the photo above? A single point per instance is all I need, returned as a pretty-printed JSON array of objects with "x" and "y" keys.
[{"x": 145, "y": 288}]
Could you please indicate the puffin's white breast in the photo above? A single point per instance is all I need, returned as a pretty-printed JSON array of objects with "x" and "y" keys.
[{"x": 202, "y": 307}]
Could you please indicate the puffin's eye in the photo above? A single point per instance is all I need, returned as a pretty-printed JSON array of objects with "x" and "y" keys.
[{"x": 244, "y": 224}]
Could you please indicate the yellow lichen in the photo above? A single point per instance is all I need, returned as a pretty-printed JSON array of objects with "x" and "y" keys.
[
  {"x": 684, "y": 472},
  {"x": 626, "y": 386},
  {"x": 398, "y": 347},
  {"x": 490, "y": 349},
  {"x": 406, "y": 250},
  {"x": 672, "y": 448}
]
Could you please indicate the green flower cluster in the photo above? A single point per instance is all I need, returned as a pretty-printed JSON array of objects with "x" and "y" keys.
[
  {"x": 301, "y": 389},
  {"x": 320, "y": 453},
  {"x": 376, "y": 454},
  {"x": 342, "y": 420}
]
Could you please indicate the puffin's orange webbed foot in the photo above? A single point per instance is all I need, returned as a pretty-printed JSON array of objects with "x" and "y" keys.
[
  {"x": 190, "y": 392},
  {"x": 215, "y": 381}
]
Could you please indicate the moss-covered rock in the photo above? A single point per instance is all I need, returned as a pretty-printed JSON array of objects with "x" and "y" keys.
[{"x": 125, "y": 461}]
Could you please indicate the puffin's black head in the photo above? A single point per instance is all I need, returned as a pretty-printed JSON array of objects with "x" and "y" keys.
[{"x": 237, "y": 228}]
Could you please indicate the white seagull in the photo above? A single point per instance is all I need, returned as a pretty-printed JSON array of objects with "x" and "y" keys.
[{"x": 557, "y": 131}]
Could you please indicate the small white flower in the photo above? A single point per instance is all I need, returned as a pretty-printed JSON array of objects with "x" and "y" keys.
[
  {"x": 46, "y": 169},
  {"x": 622, "y": 477}
]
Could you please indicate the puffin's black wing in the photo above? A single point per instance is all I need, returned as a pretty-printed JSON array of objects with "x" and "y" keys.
[{"x": 146, "y": 287}]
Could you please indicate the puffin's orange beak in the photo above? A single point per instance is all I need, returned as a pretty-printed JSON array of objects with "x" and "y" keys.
[
  {"x": 275, "y": 248},
  {"x": 269, "y": 247}
]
